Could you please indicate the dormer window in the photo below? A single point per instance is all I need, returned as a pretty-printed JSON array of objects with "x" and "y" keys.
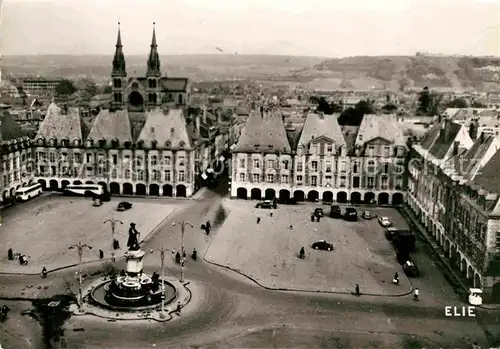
[
  {"x": 168, "y": 144},
  {"x": 256, "y": 146},
  {"x": 90, "y": 143},
  {"x": 52, "y": 142},
  {"x": 154, "y": 144},
  {"x": 115, "y": 143},
  {"x": 140, "y": 144},
  {"x": 102, "y": 143},
  {"x": 76, "y": 142},
  {"x": 40, "y": 142},
  {"x": 127, "y": 145},
  {"x": 64, "y": 142},
  {"x": 182, "y": 144},
  {"x": 172, "y": 130}
]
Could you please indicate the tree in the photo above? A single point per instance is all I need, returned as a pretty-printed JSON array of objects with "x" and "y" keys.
[
  {"x": 365, "y": 107},
  {"x": 457, "y": 103},
  {"x": 350, "y": 117},
  {"x": 65, "y": 88},
  {"x": 425, "y": 102},
  {"x": 475, "y": 104},
  {"x": 389, "y": 108}
]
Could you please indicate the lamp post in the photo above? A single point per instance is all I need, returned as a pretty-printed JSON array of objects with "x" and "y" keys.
[
  {"x": 113, "y": 226},
  {"x": 80, "y": 248},
  {"x": 183, "y": 227},
  {"x": 162, "y": 257}
]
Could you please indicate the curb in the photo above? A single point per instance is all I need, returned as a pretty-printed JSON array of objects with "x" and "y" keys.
[{"x": 93, "y": 260}]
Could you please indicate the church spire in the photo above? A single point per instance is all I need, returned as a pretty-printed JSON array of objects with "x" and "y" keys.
[
  {"x": 154, "y": 57},
  {"x": 119, "y": 68}
]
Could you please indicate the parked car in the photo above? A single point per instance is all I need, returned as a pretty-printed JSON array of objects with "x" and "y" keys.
[
  {"x": 322, "y": 245},
  {"x": 335, "y": 211},
  {"x": 351, "y": 214},
  {"x": 266, "y": 204},
  {"x": 318, "y": 212},
  {"x": 391, "y": 233},
  {"x": 366, "y": 215},
  {"x": 410, "y": 269},
  {"x": 384, "y": 221},
  {"x": 96, "y": 202},
  {"x": 124, "y": 206}
]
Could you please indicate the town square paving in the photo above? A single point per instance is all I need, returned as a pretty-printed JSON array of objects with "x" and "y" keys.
[
  {"x": 268, "y": 252},
  {"x": 43, "y": 228}
]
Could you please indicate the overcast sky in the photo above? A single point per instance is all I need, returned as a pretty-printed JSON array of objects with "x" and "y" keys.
[{"x": 333, "y": 28}]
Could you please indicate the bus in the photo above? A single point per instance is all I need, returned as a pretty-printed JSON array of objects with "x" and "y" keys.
[
  {"x": 26, "y": 193},
  {"x": 93, "y": 190}
]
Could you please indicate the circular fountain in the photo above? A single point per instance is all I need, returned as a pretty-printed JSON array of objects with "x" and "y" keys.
[{"x": 133, "y": 290}]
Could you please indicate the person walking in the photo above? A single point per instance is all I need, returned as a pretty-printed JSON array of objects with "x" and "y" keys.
[
  {"x": 415, "y": 294},
  {"x": 302, "y": 253},
  {"x": 395, "y": 280},
  {"x": 178, "y": 310},
  {"x": 258, "y": 220},
  {"x": 357, "y": 290},
  {"x": 271, "y": 213}
]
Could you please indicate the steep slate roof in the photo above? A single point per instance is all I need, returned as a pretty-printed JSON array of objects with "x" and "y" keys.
[
  {"x": 174, "y": 84},
  {"x": 321, "y": 125},
  {"x": 59, "y": 126},
  {"x": 384, "y": 126},
  {"x": 440, "y": 138},
  {"x": 488, "y": 178},
  {"x": 9, "y": 128},
  {"x": 469, "y": 163},
  {"x": 159, "y": 125},
  {"x": 111, "y": 125},
  {"x": 267, "y": 132}
]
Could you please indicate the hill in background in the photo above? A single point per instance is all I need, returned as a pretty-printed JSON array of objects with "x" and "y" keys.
[{"x": 360, "y": 73}]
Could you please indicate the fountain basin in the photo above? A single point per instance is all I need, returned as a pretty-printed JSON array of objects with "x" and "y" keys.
[{"x": 131, "y": 300}]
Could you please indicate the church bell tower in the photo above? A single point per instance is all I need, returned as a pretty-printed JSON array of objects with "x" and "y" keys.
[{"x": 118, "y": 74}]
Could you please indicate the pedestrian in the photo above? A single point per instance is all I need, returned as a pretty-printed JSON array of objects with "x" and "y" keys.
[
  {"x": 415, "y": 294},
  {"x": 271, "y": 213},
  {"x": 302, "y": 252},
  {"x": 318, "y": 218},
  {"x": 101, "y": 254},
  {"x": 357, "y": 290},
  {"x": 184, "y": 254},
  {"x": 258, "y": 220},
  {"x": 312, "y": 218},
  {"x": 178, "y": 308},
  {"x": 395, "y": 280},
  {"x": 10, "y": 254}
]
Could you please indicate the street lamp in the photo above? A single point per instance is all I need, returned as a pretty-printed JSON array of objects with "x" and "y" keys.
[
  {"x": 113, "y": 226},
  {"x": 183, "y": 261},
  {"x": 162, "y": 257},
  {"x": 80, "y": 248}
]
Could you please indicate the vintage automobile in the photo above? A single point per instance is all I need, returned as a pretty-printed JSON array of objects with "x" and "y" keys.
[
  {"x": 318, "y": 212},
  {"x": 385, "y": 222},
  {"x": 267, "y": 204},
  {"x": 366, "y": 215},
  {"x": 335, "y": 211},
  {"x": 322, "y": 245},
  {"x": 124, "y": 206},
  {"x": 96, "y": 202},
  {"x": 410, "y": 269},
  {"x": 351, "y": 214}
]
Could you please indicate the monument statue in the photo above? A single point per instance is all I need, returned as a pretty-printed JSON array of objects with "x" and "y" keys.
[{"x": 133, "y": 238}]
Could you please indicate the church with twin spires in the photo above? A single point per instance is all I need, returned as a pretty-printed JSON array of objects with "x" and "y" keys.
[{"x": 138, "y": 94}]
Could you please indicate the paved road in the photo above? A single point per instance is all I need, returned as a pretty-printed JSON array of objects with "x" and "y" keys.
[{"x": 229, "y": 311}]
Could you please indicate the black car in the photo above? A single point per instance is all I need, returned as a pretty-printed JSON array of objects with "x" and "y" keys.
[
  {"x": 124, "y": 206},
  {"x": 410, "y": 269},
  {"x": 318, "y": 212},
  {"x": 266, "y": 204},
  {"x": 391, "y": 233},
  {"x": 335, "y": 211},
  {"x": 322, "y": 245},
  {"x": 351, "y": 214}
]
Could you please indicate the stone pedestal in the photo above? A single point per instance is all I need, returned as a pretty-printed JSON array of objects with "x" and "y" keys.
[{"x": 134, "y": 261}]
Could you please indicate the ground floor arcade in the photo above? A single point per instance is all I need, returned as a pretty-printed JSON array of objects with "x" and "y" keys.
[
  {"x": 340, "y": 195},
  {"x": 123, "y": 188}
]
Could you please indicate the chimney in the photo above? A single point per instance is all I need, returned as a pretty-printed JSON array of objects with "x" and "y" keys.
[
  {"x": 455, "y": 148},
  {"x": 473, "y": 129}
]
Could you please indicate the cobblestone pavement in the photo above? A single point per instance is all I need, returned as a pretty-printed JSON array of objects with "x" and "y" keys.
[
  {"x": 268, "y": 252},
  {"x": 43, "y": 228}
]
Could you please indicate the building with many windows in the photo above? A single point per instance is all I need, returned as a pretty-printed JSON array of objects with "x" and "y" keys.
[
  {"x": 40, "y": 86},
  {"x": 328, "y": 163},
  {"x": 455, "y": 193},
  {"x": 145, "y": 144},
  {"x": 17, "y": 160}
]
